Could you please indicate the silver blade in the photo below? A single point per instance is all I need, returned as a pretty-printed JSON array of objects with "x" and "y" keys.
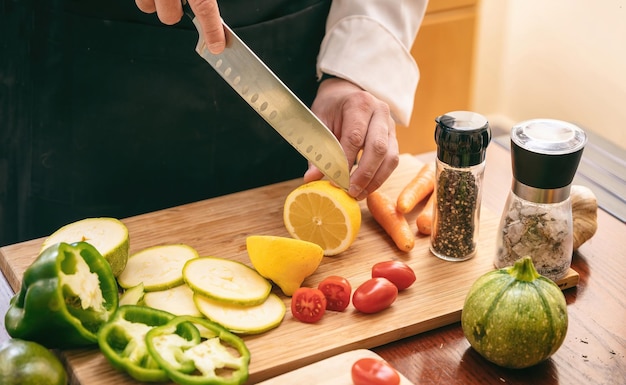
[{"x": 278, "y": 105}]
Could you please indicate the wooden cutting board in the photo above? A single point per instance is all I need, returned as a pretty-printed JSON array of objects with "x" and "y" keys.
[
  {"x": 330, "y": 371},
  {"x": 219, "y": 227}
]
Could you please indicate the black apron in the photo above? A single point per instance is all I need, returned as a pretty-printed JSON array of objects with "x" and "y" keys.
[{"x": 111, "y": 113}]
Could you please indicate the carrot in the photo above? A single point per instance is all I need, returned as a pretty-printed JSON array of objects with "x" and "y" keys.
[
  {"x": 384, "y": 211},
  {"x": 417, "y": 189},
  {"x": 424, "y": 219}
]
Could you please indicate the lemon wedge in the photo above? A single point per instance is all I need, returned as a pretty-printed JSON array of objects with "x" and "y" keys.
[{"x": 284, "y": 261}]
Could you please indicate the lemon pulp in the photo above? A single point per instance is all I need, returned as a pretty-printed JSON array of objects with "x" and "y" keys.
[
  {"x": 321, "y": 213},
  {"x": 284, "y": 261}
]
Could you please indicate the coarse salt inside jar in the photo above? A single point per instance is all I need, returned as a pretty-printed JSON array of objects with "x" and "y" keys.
[{"x": 537, "y": 218}]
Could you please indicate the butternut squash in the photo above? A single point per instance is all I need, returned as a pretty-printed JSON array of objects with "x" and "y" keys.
[{"x": 584, "y": 214}]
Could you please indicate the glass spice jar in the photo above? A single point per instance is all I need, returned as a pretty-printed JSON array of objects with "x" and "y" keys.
[
  {"x": 537, "y": 217},
  {"x": 462, "y": 138}
]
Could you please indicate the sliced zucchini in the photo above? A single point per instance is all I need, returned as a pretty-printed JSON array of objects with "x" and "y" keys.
[
  {"x": 158, "y": 267},
  {"x": 132, "y": 296},
  {"x": 177, "y": 300},
  {"x": 226, "y": 281},
  {"x": 108, "y": 235},
  {"x": 243, "y": 319}
]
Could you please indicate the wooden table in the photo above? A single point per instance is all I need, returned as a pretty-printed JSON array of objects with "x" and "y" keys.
[{"x": 594, "y": 350}]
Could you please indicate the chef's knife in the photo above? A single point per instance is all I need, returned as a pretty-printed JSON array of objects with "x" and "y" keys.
[{"x": 276, "y": 103}]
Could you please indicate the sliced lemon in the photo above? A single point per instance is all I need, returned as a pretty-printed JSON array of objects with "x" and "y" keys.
[
  {"x": 243, "y": 319},
  {"x": 157, "y": 267},
  {"x": 324, "y": 214},
  {"x": 284, "y": 261},
  {"x": 108, "y": 235}
]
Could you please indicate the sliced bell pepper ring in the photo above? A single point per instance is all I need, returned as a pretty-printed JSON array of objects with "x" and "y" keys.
[
  {"x": 67, "y": 294},
  {"x": 123, "y": 341},
  {"x": 221, "y": 358}
]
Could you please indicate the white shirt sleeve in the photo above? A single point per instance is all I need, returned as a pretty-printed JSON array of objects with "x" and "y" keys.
[{"x": 368, "y": 42}]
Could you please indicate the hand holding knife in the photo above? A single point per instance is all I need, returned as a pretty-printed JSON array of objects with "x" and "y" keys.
[{"x": 359, "y": 119}]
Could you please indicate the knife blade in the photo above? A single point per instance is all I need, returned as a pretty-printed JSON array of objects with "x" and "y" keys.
[{"x": 241, "y": 68}]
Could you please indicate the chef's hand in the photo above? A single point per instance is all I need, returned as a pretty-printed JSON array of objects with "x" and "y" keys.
[
  {"x": 206, "y": 11},
  {"x": 361, "y": 122}
]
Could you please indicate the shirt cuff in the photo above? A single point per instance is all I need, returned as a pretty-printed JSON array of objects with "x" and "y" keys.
[{"x": 363, "y": 51}]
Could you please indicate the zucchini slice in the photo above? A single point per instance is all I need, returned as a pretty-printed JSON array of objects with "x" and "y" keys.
[
  {"x": 226, "y": 281},
  {"x": 177, "y": 300},
  {"x": 132, "y": 296},
  {"x": 157, "y": 267},
  {"x": 243, "y": 319}
]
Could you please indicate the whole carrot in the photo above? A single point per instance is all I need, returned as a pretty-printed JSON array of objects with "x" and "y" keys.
[
  {"x": 384, "y": 211},
  {"x": 417, "y": 189},
  {"x": 424, "y": 219}
]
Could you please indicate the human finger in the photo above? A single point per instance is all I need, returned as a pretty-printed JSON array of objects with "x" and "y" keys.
[
  {"x": 379, "y": 151},
  {"x": 352, "y": 125},
  {"x": 208, "y": 14},
  {"x": 312, "y": 173},
  {"x": 389, "y": 162},
  {"x": 169, "y": 11},
  {"x": 146, "y": 6},
  {"x": 366, "y": 125}
]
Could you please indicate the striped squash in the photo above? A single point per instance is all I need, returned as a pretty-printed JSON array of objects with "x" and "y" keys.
[{"x": 515, "y": 317}]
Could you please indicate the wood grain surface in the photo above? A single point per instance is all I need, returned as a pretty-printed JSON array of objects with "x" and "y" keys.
[
  {"x": 594, "y": 350},
  {"x": 219, "y": 227},
  {"x": 334, "y": 370}
]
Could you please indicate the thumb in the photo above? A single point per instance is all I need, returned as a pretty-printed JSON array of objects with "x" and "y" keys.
[{"x": 312, "y": 173}]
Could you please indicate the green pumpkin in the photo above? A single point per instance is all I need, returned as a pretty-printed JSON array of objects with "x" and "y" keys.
[{"x": 515, "y": 317}]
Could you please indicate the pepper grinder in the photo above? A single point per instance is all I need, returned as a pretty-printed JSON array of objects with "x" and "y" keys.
[
  {"x": 462, "y": 138},
  {"x": 537, "y": 218}
]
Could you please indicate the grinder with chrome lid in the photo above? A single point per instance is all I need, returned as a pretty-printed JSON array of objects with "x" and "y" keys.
[{"x": 537, "y": 218}]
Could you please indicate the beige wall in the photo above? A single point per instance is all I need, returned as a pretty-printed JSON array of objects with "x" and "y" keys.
[{"x": 561, "y": 59}]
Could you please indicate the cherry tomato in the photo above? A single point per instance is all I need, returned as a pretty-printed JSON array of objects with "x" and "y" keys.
[
  {"x": 308, "y": 304},
  {"x": 398, "y": 272},
  {"x": 337, "y": 291},
  {"x": 374, "y": 371},
  {"x": 374, "y": 295}
]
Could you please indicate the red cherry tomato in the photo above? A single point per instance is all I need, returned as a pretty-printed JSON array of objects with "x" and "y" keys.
[
  {"x": 308, "y": 304},
  {"x": 398, "y": 272},
  {"x": 337, "y": 291},
  {"x": 374, "y": 371},
  {"x": 374, "y": 295}
]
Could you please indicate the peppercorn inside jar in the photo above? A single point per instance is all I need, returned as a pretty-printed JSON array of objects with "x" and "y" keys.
[{"x": 462, "y": 138}]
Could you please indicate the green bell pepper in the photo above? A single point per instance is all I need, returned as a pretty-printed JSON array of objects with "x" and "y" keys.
[
  {"x": 122, "y": 341},
  {"x": 221, "y": 358},
  {"x": 67, "y": 294}
]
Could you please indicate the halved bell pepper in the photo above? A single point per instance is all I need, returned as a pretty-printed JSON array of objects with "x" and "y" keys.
[
  {"x": 67, "y": 294},
  {"x": 123, "y": 341},
  {"x": 221, "y": 358}
]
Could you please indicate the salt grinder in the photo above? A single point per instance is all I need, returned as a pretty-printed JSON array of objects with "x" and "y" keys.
[
  {"x": 462, "y": 138},
  {"x": 537, "y": 218}
]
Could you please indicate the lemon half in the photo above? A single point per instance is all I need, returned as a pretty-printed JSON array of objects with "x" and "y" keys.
[{"x": 324, "y": 214}]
